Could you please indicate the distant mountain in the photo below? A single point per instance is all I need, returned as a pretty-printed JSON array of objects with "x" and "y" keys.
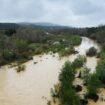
[
  {"x": 46, "y": 24},
  {"x": 40, "y": 25},
  {"x": 9, "y": 26}
]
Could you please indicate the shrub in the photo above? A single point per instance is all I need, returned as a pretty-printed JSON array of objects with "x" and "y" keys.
[
  {"x": 8, "y": 55},
  {"x": 67, "y": 51},
  {"x": 94, "y": 97},
  {"x": 78, "y": 88},
  {"x": 49, "y": 103},
  {"x": 98, "y": 55},
  {"x": 84, "y": 102},
  {"x": 78, "y": 62},
  {"x": 67, "y": 94},
  {"x": 21, "y": 45},
  {"x": 76, "y": 40},
  {"x": 20, "y": 68},
  {"x": 93, "y": 84},
  {"x": 67, "y": 73},
  {"x": 91, "y": 52},
  {"x": 33, "y": 46},
  {"x": 100, "y": 70}
]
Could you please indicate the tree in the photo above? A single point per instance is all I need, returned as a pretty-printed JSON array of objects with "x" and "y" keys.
[
  {"x": 100, "y": 70},
  {"x": 67, "y": 73},
  {"x": 68, "y": 96},
  {"x": 21, "y": 45},
  {"x": 79, "y": 62},
  {"x": 93, "y": 84},
  {"x": 10, "y": 32},
  {"x": 91, "y": 52}
]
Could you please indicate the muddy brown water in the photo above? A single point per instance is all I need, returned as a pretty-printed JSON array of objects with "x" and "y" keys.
[{"x": 32, "y": 87}]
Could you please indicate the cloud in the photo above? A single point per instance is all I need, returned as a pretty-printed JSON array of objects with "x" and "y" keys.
[{"x": 66, "y": 12}]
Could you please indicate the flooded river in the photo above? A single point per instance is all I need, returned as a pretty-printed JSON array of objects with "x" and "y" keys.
[{"x": 32, "y": 87}]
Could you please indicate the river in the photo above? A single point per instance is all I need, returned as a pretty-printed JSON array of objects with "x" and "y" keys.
[{"x": 32, "y": 87}]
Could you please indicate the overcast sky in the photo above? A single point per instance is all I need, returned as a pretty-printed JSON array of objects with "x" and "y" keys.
[{"x": 65, "y": 12}]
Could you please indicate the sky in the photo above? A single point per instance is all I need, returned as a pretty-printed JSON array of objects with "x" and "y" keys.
[{"x": 76, "y": 13}]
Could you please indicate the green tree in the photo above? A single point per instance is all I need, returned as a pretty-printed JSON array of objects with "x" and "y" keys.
[
  {"x": 93, "y": 83},
  {"x": 100, "y": 70},
  {"x": 79, "y": 62},
  {"x": 91, "y": 52},
  {"x": 67, "y": 73}
]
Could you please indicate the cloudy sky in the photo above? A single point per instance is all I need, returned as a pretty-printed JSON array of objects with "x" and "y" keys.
[{"x": 80, "y": 13}]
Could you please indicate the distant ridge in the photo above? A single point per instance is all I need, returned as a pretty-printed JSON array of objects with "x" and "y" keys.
[
  {"x": 9, "y": 26},
  {"x": 40, "y": 25}
]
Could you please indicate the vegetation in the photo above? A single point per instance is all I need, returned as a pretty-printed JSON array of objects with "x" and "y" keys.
[
  {"x": 67, "y": 51},
  {"x": 76, "y": 40},
  {"x": 96, "y": 81},
  {"x": 79, "y": 62},
  {"x": 66, "y": 93},
  {"x": 20, "y": 68},
  {"x": 101, "y": 71},
  {"x": 93, "y": 82},
  {"x": 49, "y": 103},
  {"x": 22, "y": 43},
  {"x": 93, "y": 85},
  {"x": 91, "y": 52}
]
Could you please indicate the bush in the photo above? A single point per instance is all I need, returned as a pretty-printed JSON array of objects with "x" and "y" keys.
[
  {"x": 93, "y": 84},
  {"x": 76, "y": 40},
  {"x": 49, "y": 103},
  {"x": 67, "y": 73},
  {"x": 94, "y": 97},
  {"x": 39, "y": 50},
  {"x": 8, "y": 55},
  {"x": 20, "y": 68},
  {"x": 67, "y": 51},
  {"x": 84, "y": 102},
  {"x": 78, "y": 88},
  {"x": 98, "y": 55},
  {"x": 91, "y": 52},
  {"x": 33, "y": 46},
  {"x": 68, "y": 96},
  {"x": 100, "y": 70},
  {"x": 21, "y": 45},
  {"x": 67, "y": 92},
  {"x": 78, "y": 62}
]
